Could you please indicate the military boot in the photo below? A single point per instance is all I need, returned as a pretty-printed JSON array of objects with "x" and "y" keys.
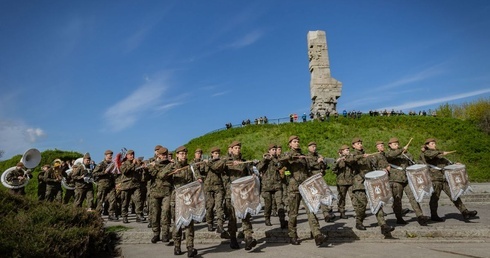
[
  {"x": 401, "y": 221},
  {"x": 342, "y": 215},
  {"x": 319, "y": 239},
  {"x": 294, "y": 240},
  {"x": 191, "y": 251},
  {"x": 150, "y": 225},
  {"x": 284, "y": 223},
  {"x": 165, "y": 239},
  {"x": 386, "y": 230},
  {"x": 177, "y": 250},
  {"x": 112, "y": 217},
  {"x": 250, "y": 243},
  {"x": 155, "y": 239},
  {"x": 469, "y": 214},
  {"x": 360, "y": 226},
  {"x": 422, "y": 220},
  {"x": 210, "y": 228},
  {"x": 234, "y": 243},
  {"x": 268, "y": 222},
  {"x": 125, "y": 219},
  {"x": 436, "y": 218},
  {"x": 140, "y": 218}
]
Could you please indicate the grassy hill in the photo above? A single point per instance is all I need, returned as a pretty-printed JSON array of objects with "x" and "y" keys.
[{"x": 471, "y": 144}]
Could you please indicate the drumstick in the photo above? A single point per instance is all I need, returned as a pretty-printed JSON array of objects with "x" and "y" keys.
[
  {"x": 409, "y": 142},
  {"x": 449, "y": 152}
]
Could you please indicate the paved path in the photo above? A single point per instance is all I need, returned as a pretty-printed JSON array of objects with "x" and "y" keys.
[{"x": 452, "y": 238}]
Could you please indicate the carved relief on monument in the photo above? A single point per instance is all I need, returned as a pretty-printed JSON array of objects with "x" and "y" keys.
[{"x": 324, "y": 89}]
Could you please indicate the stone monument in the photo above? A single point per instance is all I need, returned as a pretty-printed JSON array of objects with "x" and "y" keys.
[{"x": 324, "y": 89}]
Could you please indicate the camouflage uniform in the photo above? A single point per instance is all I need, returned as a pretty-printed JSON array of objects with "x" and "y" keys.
[
  {"x": 436, "y": 161},
  {"x": 41, "y": 186},
  {"x": 53, "y": 184},
  {"x": 213, "y": 186},
  {"x": 69, "y": 193},
  {"x": 296, "y": 163},
  {"x": 83, "y": 189},
  {"x": 130, "y": 182},
  {"x": 106, "y": 191},
  {"x": 271, "y": 183},
  {"x": 344, "y": 180},
  {"x": 160, "y": 193},
  {"x": 12, "y": 179},
  {"x": 399, "y": 184},
  {"x": 362, "y": 165}
]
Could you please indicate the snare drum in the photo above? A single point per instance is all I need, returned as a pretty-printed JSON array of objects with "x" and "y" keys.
[
  {"x": 419, "y": 181},
  {"x": 245, "y": 196},
  {"x": 378, "y": 189},
  {"x": 457, "y": 179}
]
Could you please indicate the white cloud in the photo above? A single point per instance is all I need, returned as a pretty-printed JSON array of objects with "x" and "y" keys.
[
  {"x": 16, "y": 138},
  {"x": 247, "y": 40},
  {"x": 423, "y": 75},
  {"x": 422, "y": 103}
]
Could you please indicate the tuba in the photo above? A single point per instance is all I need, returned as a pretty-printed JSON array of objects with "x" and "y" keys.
[
  {"x": 30, "y": 159},
  {"x": 65, "y": 185}
]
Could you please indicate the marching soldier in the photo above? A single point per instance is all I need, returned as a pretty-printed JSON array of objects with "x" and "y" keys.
[
  {"x": 316, "y": 165},
  {"x": 296, "y": 163},
  {"x": 361, "y": 165},
  {"x": 41, "y": 184},
  {"x": 344, "y": 179},
  {"x": 150, "y": 182},
  {"x": 180, "y": 178},
  {"x": 436, "y": 161},
  {"x": 215, "y": 191},
  {"x": 160, "y": 194},
  {"x": 130, "y": 182},
  {"x": 69, "y": 193},
  {"x": 53, "y": 179},
  {"x": 285, "y": 180},
  {"x": 236, "y": 168},
  {"x": 84, "y": 189},
  {"x": 271, "y": 186},
  {"x": 104, "y": 176},
  {"x": 18, "y": 177},
  {"x": 399, "y": 160}
]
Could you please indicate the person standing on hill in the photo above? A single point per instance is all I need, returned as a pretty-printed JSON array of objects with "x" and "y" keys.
[
  {"x": 295, "y": 161},
  {"x": 399, "y": 160},
  {"x": 53, "y": 179},
  {"x": 436, "y": 161},
  {"x": 344, "y": 179}
]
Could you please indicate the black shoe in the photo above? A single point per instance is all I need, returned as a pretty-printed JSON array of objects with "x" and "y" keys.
[
  {"x": 422, "y": 220},
  {"x": 401, "y": 221},
  {"x": 294, "y": 241},
  {"x": 225, "y": 235},
  {"x": 155, "y": 239},
  {"x": 284, "y": 224},
  {"x": 177, "y": 250},
  {"x": 234, "y": 244},
  {"x": 210, "y": 228},
  {"x": 436, "y": 218},
  {"x": 319, "y": 239},
  {"x": 191, "y": 252},
  {"x": 360, "y": 226},
  {"x": 165, "y": 239},
  {"x": 149, "y": 225},
  {"x": 250, "y": 242},
  {"x": 386, "y": 229},
  {"x": 469, "y": 214},
  {"x": 240, "y": 234},
  {"x": 125, "y": 220},
  {"x": 268, "y": 222}
]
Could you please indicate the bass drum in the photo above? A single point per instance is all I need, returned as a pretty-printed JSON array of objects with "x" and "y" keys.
[{"x": 12, "y": 186}]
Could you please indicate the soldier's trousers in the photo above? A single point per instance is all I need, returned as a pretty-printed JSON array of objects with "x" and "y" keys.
[
  {"x": 189, "y": 235},
  {"x": 131, "y": 195},
  {"x": 160, "y": 216},
  {"x": 294, "y": 202},
  {"x": 41, "y": 191},
  {"x": 232, "y": 221},
  {"x": 360, "y": 204},
  {"x": 397, "y": 190},
  {"x": 434, "y": 198},
  {"x": 68, "y": 195},
  {"x": 82, "y": 194},
  {"x": 54, "y": 193},
  {"x": 342, "y": 191},
  {"x": 214, "y": 200},
  {"x": 269, "y": 197},
  {"x": 106, "y": 194}
]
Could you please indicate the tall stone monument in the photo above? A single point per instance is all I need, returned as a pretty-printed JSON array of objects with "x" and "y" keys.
[{"x": 324, "y": 89}]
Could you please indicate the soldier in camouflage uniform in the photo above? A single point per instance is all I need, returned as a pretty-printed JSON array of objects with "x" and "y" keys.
[
  {"x": 105, "y": 179},
  {"x": 150, "y": 181},
  {"x": 436, "y": 161},
  {"x": 399, "y": 160},
  {"x": 41, "y": 186},
  {"x": 130, "y": 182},
  {"x": 344, "y": 180},
  {"x": 83, "y": 189},
  {"x": 285, "y": 180},
  {"x": 316, "y": 165},
  {"x": 17, "y": 177},
  {"x": 182, "y": 175},
  {"x": 271, "y": 185},
  {"x": 360, "y": 163},
  {"x": 214, "y": 189},
  {"x": 160, "y": 194},
  {"x": 236, "y": 168},
  {"x": 69, "y": 193},
  {"x": 53, "y": 179},
  {"x": 296, "y": 163},
  {"x": 199, "y": 166}
]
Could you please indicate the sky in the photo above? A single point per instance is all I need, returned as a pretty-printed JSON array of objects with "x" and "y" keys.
[{"x": 92, "y": 75}]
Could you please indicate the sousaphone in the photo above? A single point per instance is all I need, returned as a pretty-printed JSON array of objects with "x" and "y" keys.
[
  {"x": 30, "y": 159},
  {"x": 65, "y": 185}
]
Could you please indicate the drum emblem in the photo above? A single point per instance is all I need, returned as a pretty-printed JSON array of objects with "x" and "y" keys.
[
  {"x": 377, "y": 189},
  {"x": 187, "y": 199},
  {"x": 313, "y": 190},
  {"x": 243, "y": 194},
  {"x": 458, "y": 180},
  {"x": 420, "y": 180}
]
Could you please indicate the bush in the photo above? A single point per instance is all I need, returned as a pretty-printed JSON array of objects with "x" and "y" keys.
[{"x": 40, "y": 229}]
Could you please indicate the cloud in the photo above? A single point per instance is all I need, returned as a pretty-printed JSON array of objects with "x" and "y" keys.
[
  {"x": 421, "y": 76},
  {"x": 422, "y": 103},
  {"x": 247, "y": 40},
  {"x": 219, "y": 93},
  {"x": 127, "y": 111},
  {"x": 16, "y": 138}
]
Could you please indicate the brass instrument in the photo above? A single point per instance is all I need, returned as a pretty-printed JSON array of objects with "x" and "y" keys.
[{"x": 30, "y": 159}]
